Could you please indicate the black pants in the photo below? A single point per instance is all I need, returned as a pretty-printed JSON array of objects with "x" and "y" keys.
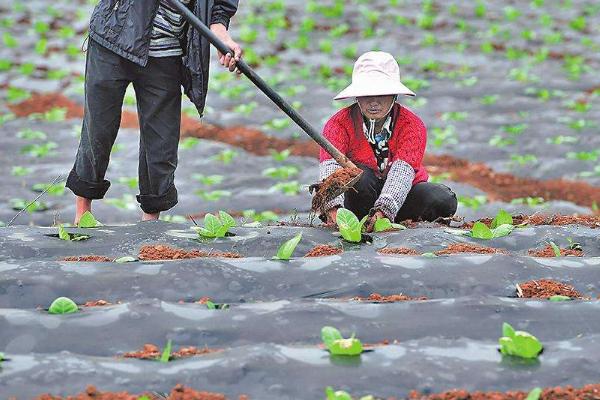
[
  {"x": 426, "y": 201},
  {"x": 158, "y": 94}
]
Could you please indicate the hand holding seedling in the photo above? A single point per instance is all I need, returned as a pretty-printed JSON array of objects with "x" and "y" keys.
[
  {"x": 226, "y": 59},
  {"x": 370, "y": 224}
]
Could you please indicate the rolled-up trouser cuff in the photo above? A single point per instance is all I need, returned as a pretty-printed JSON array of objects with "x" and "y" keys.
[
  {"x": 152, "y": 204},
  {"x": 89, "y": 190}
]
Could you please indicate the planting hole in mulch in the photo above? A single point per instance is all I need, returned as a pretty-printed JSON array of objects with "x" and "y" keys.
[
  {"x": 179, "y": 392},
  {"x": 553, "y": 393},
  {"x": 548, "y": 251},
  {"x": 404, "y": 251},
  {"x": 89, "y": 258},
  {"x": 546, "y": 288},
  {"x": 164, "y": 252},
  {"x": 152, "y": 352},
  {"x": 456, "y": 248},
  {"x": 323, "y": 250},
  {"x": 97, "y": 303},
  {"x": 393, "y": 298},
  {"x": 330, "y": 188}
]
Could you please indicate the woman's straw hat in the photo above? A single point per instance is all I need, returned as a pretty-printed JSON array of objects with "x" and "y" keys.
[{"x": 375, "y": 73}]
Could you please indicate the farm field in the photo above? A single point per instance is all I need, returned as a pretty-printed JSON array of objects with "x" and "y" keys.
[{"x": 510, "y": 95}]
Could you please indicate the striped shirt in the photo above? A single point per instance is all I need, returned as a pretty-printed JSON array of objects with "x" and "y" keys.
[{"x": 167, "y": 28}]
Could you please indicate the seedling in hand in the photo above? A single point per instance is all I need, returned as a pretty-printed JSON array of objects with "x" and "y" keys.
[
  {"x": 63, "y": 305},
  {"x": 337, "y": 345},
  {"x": 519, "y": 343},
  {"x": 216, "y": 227}
]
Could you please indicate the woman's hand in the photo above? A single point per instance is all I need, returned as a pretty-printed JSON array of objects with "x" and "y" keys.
[
  {"x": 370, "y": 224},
  {"x": 331, "y": 216},
  {"x": 226, "y": 59}
]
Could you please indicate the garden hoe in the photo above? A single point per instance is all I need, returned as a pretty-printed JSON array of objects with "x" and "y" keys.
[{"x": 341, "y": 180}]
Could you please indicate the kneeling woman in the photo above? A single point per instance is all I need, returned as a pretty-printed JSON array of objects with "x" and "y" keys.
[{"x": 387, "y": 141}]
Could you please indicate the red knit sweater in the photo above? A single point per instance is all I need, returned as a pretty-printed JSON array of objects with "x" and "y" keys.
[{"x": 407, "y": 143}]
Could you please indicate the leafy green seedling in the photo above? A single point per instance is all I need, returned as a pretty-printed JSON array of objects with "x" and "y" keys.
[
  {"x": 283, "y": 172},
  {"x": 57, "y": 189},
  {"x": 125, "y": 259},
  {"x": 63, "y": 305},
  {"x": 214, "y": 195},
  {"x": 559, "y": 297},
  {"x": 166, "y": 354},
  {"x": 534, "y": 394},
  {"x": 555, "y": 249},
  {"x": 214, "y": 306},
  {"x": 481, "y": 231},
  {"x": 216, "y": 227},
  {"x": 349, "y": 225},
  {"x": 189, "y": 143},
  {"x": 336, "y": 395},
  {"x": 291, "y": 188},
  {"x": 574, "y": 245},
  {"x": 287, "y": 249},
  {"x": 280, "y": 155},
  {"x": 518, "y": 343},
  {"x": 88, "y": 220},
  {"x": 20, "y": 204},
  {"x": 72, "y": 237},
  {"x": 502, "y": 218},
  {"x": 429, "y": 255},
  {"x": 384, "y": 224},
  {"x": 337, "y": 345},
  {"x": 226, "y": 156}
]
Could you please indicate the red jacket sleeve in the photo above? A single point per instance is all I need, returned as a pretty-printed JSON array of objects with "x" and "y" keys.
[
  {"x": 338, "y": 135},
  {"x": 412, "y": 142}
]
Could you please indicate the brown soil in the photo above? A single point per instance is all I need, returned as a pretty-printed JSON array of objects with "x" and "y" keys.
[
  {"x": 588, "y": 392},
  {"x": 151, "y": 352},
  {"x": 90, "y": 258},
  {"x": 394, "y": 298},
  {"x": 548, "y": 251},
  {"x": 545, "y": 288},
  {"x": 97, "y": 303},
  {"x": 592, "y": 221},
  {"x": 323, "y": 250},
  {"x": 469, "y": 248},
  {"x": 498, "y": 186},
  {"x": 164, "y": 252},
  {"x": 179, "y": 392},
  {"x": 328, "y": 188},
  {"x": 399, "y": 251}
]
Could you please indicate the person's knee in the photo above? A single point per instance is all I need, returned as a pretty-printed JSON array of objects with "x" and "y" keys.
[{"x": 443, "y": 202}]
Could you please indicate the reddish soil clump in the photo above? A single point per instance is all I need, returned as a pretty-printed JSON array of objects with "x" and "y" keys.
[
  {"x": 152, "y": 352},
  {"x": 469, "y": 248},
  {"x": 592, "y": 221},
  {"x": 90, "y": 258},
  {"x": 546, "y": 288},
  {"x": 41, "y": 103},
  {"x": 591, "y": 392},
  {"x": 179, "y": 392},
  {"x": 323, "y": 250},
  {"x": 394, "y": 298},
  {"x": 97, "y": 303},
  {"x": 164, "y": 252},
  {"x": 399, "y": 251},
  {"x": 548, "y": 251},
  {"x": 326, "y": 190}
]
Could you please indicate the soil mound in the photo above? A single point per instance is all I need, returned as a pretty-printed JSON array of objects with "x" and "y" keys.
[
  {"x": 179, "y": 392},
  {"x": 394, "y": 298},
  {"x": 548, "y": 251},
  {"x": 323, "y": 250},
  {"x": 327, "y": 190},
  {"x": 591, "y": 221},
  {"x": 557, "y": 393},
  {"x": 90, "y": 258},
  {"x": 97, "y": 303},
  {"x": 546, "y": 288},
  {"x": 399, "y": 251},
  {"x": 152, "y": 352},
  {"x": 41, "y": 103},
  {"x": 164, "y": 252},
  {"x": 456, "y": 248}
]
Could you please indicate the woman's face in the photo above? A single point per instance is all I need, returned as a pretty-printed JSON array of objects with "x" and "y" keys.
[{"x": 375, "y": 107}]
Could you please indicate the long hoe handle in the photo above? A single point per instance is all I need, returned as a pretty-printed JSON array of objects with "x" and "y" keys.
[{"x": 263, "y": 86}]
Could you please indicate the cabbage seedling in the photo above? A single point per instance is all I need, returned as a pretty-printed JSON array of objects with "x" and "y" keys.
[
  {"x": 88, "y": 220},
  {"x": 337, "y": 345},
  {"x": 518, "y": 343},
  {"x": 559, "y": 297},
  {"x": 287, "y": 249},
  {"x": 63, "y": 305},
  {"x": 216, "y": 227},
  {"x": 350, "y": 226},
  {"x": 534, "y": 394},
  {"x": 384, "y": 224},
  {"x": 72, "y": 237}
]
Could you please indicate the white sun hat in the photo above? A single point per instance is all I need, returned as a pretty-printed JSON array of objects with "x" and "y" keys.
[{"x": 376, "y": 73}]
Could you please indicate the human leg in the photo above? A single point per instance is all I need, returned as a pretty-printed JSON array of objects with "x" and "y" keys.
[
  {"x": 428, "y": 201},
  {"x": 361, "y": 198},
  {"x": 158, "y": 92},
  {"x": 105, "y": 83}
]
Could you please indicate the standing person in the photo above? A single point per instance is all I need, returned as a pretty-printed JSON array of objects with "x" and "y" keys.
[
  {"x": 387, "y": 141},
  {"x": 147, "y": 43}
]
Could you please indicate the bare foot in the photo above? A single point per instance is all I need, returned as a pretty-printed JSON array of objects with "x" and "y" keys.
[
  {"x": 81, "y": 206},
  {"x": 150, "y": 217}
]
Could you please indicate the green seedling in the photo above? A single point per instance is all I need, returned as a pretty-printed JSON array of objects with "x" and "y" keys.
[
  {"x": 530, "y": 201},
  {"x": 130, "y": 182},
  {"x": 444, "y": 136},
  {"x": 259, "y": 217},
  {"x": 574, "y": 245},
  {"x": 280, "y": 155},
  {"x": 277, "y": 123},
  {"x": 555, "y": 249},
  {"x": 349, "y": 225},
  {"x": 165, "y": 357},
  {"x": 291, "y": 188},
  {"x": 208, "y": 180},
  {"x": 214, "y": 306},
  {"x": 57, "y": 189},
  {"x": 287, "y": 249},
  {"x": 30, "y": 207},
  {"x": 88, "y": 220},
  {"x": 481, "y": 231},
  {"x": 63, "y": 305},
  {"x": 125, "y": 260},
  {"x": 429, "y": 255},
  {"x": 384, "y": 224},
  {"x": 14, "y": 95},
  {"x": 216, "y": 227},
  {"x": 125, "y": 202},
  {"x": 246, "y": 109},
  {"x": 71, "y": 237},
  {"x": 336, "y": 395},
  {"x": 523, "y": 159},
  {"x": 214, "y": 195},
  {"x": 283, "y": 172},
  {"x": 584, "y": 155},
  {"x": 337, "y": 345},
  {"x": 226, "y": 156},
  {"x": 4, "y": 118},
  {"x": 518, "y": 343},
  {"x": 559, "y": 298},
  {"x": 188, "y": 143},
  {"x": 39, "y": 150},
  {"x": 472, "y": 202},
  {"x": 534, "y": 394},
  {"x": 18, "y": 170},
  {"x": 30, "y": 134}
]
